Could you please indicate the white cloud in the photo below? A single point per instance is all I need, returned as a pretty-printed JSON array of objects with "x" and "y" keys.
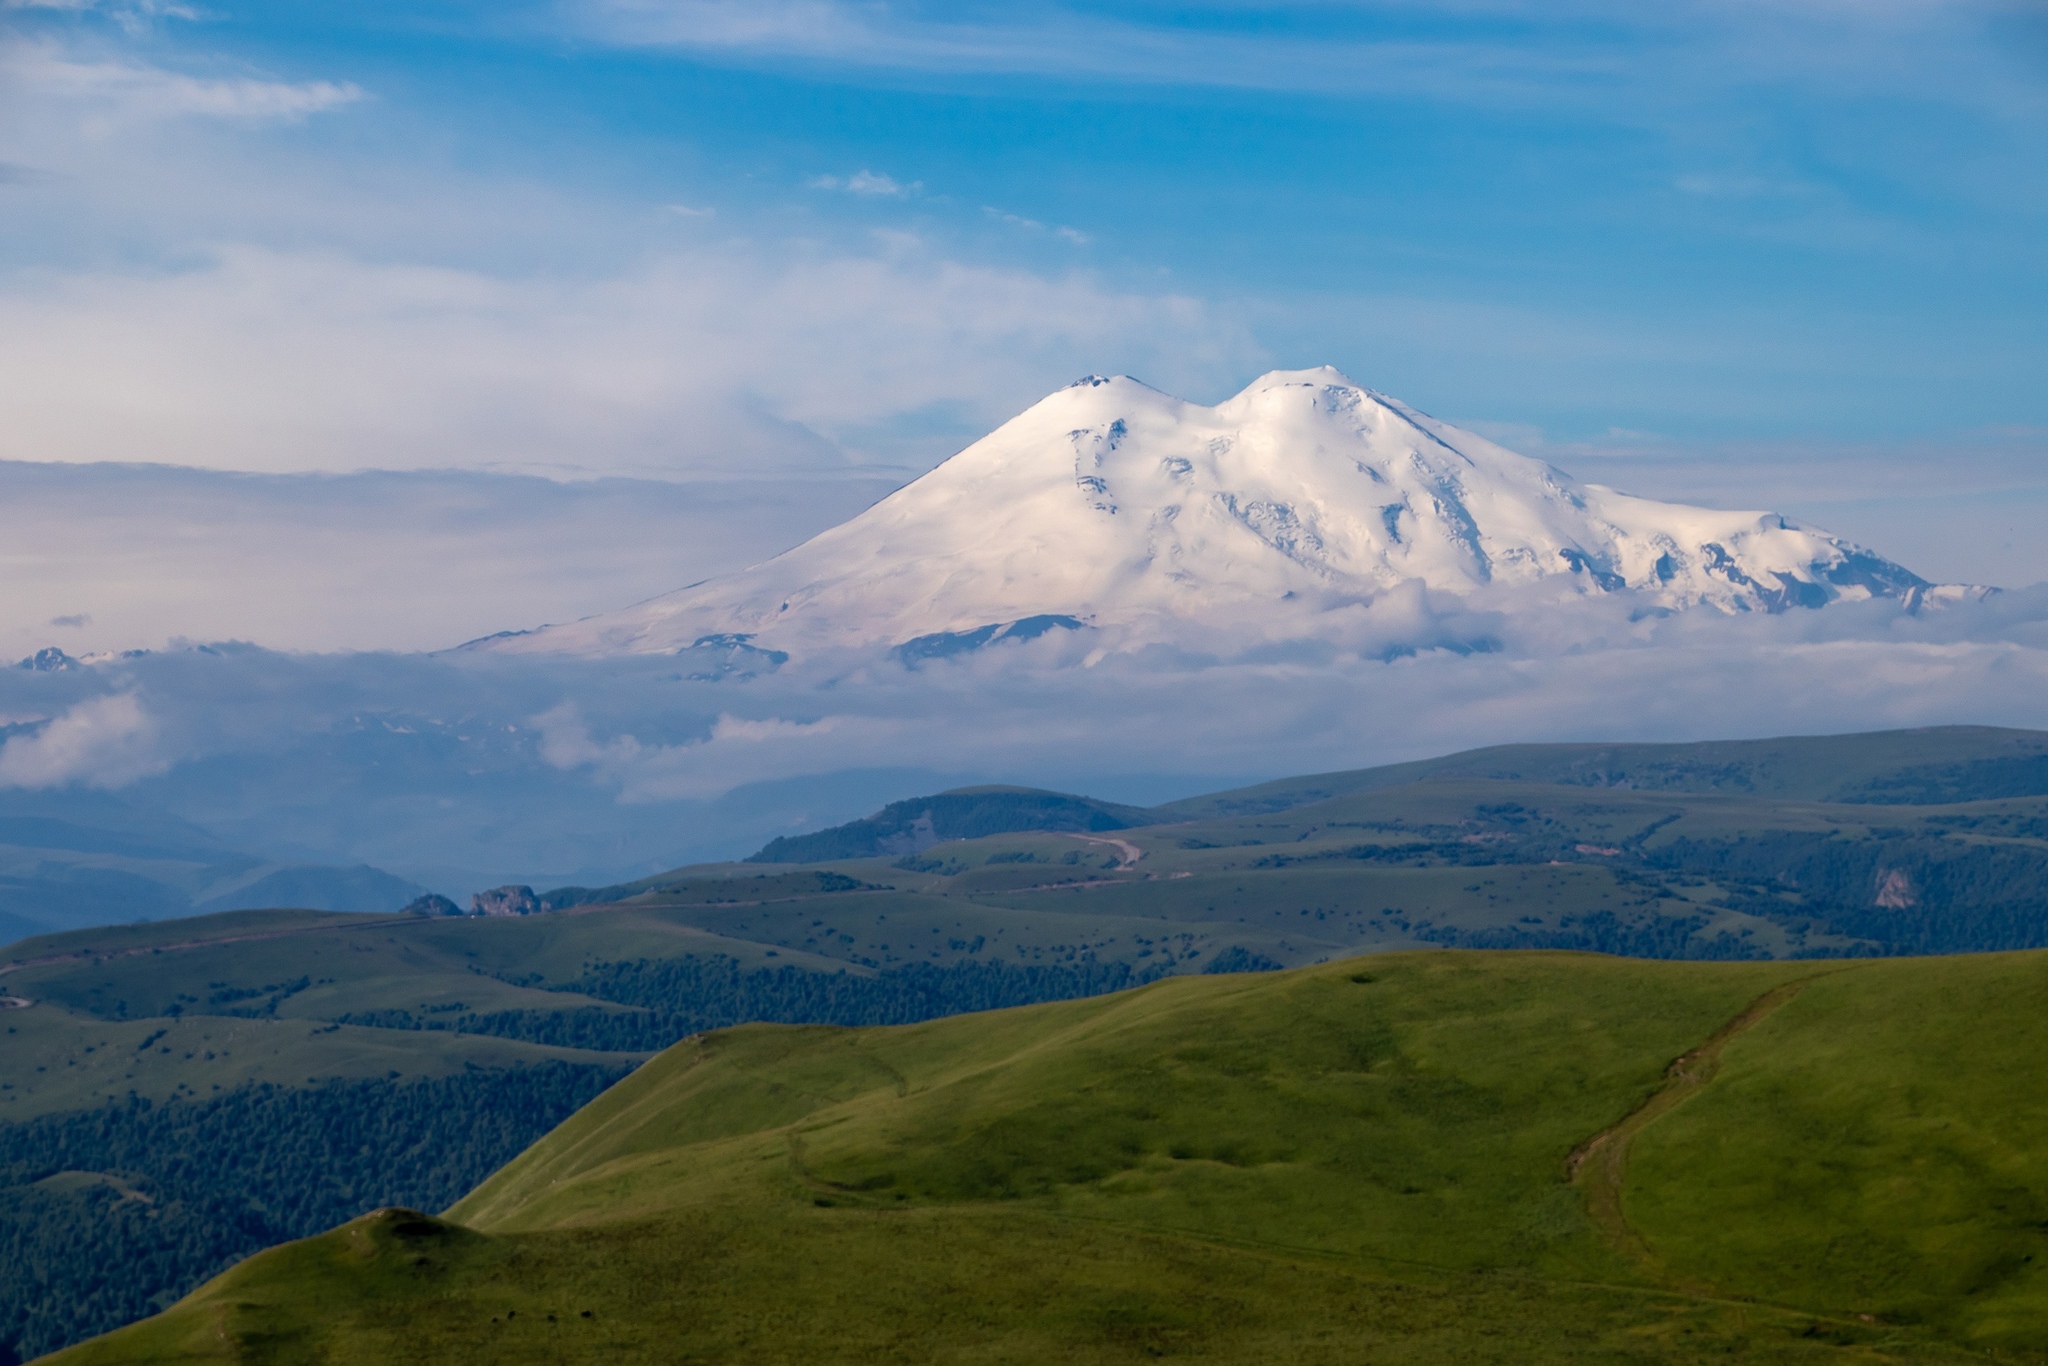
[
  {"x": 729, "y": 358},
  {"x": 729, "y": 727},
  {"x": 1073, "y": 235},
  {"x": 733, "y": 750},
  {"x": 1044, "y": 39},
  {"x": 870, "y": 184},
  {"x": 122, "y": 91},
  {"x": 566, "y": 742},
  {"x": 523, "y": 765},
  {"x": 130, "y": 14},
  {"x": 106, "y": 742}
]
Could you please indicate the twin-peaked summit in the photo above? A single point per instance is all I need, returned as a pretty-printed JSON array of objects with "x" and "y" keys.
[{"x": 1112, "y": 505}]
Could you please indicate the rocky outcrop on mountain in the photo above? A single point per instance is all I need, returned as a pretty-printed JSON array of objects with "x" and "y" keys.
[{"x": 507, "y": 900}]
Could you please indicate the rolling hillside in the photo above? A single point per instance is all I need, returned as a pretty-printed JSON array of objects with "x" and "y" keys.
[
  {"x": 1425, "y": 1157},
  {"x": 1777, "y": 850}
]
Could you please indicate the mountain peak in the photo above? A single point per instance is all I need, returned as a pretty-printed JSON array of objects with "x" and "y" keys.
[{"x": 1113, "y": 506}]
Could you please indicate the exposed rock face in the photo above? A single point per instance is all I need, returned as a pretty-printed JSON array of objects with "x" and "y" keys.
[
  {"x": 1895, "y": 889},
  {"x": 507, "y": 900},
  {"x": 49, "y": 660},
  {"x": 433, "y": 903}
]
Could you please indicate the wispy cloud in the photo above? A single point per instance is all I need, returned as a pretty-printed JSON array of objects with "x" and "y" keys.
[
  {"x": 1065, "y": 234},
  {"x": 1050, "y": 40},
  {"x": 130, "y": 91},
  {"x": 124, "y": 90},
  {"x": 871, "y": 184},
  {"x": 727, "y": 359},
  {"x": 135, "y": 17},
  {"x": 1488, "y": 50}
]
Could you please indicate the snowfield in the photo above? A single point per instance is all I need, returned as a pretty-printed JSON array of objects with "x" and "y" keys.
[{"x": 1293, "y": 511}]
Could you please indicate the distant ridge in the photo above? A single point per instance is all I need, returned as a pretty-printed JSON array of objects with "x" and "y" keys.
[{"x": 1935, "y": 765}]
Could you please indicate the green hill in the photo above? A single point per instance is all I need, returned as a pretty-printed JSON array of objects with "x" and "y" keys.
[
  {"x": 1424, "y": 1157},
  {"x": 965, "y": 813},
  {"x": 176, "y": 1095},
  {"x": 1939, "y": 765},
  {"x": 270, "y": 1021}
]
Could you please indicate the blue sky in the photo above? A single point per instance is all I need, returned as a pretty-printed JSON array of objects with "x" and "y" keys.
[{"x": 1747, "y": 252}]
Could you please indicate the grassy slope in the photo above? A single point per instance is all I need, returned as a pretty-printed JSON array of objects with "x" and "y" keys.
[
  {"x": 1284, "y": 884},
  {"x": 1799, "y": 768},
  {"x": 1198, "y": 889},
  {"x": 1881, "y": 1143},
  {"x": 1290, "y": 1167},
  {"x": 53, "y": 1060},
  {"x": 100, "y": 994}
]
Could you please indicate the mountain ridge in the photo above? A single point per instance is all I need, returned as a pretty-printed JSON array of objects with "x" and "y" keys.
[{"x": 1291, "y": 510}]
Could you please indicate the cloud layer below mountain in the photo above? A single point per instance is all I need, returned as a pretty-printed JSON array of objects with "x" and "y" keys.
[{"x": 459, "y": 770}]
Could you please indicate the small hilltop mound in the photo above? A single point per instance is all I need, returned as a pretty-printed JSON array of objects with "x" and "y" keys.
[{"x": 910, "y": 827}]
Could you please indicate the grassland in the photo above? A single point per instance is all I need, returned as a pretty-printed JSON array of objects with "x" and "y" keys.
[
  {"x": 1937, "y": 764},
  {"x": 1370, "y": 1160},
  {"x": 1800, "y": 851},
  {"x": 1478, "y": 862}
]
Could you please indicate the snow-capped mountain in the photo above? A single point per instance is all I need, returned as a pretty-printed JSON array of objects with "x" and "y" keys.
[{"x": 1112, "y": 506}]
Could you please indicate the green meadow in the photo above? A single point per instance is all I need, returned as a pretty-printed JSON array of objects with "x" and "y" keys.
[{"x": 1408, "y": 1157}]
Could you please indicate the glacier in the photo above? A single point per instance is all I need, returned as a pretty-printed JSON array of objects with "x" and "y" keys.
[{"x": 1114, "y": 510}]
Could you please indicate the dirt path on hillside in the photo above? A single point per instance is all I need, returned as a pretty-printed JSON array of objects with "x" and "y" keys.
[
  {"x": 1126, "y": 851},
  {"x": 1599, "y": 1166}
]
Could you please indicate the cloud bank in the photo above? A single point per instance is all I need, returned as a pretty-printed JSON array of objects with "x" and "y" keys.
[
  {"x": 102, "y": 742},
  {"x": 458, "y": 768},
  {"x": 721, "y": 359}
]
